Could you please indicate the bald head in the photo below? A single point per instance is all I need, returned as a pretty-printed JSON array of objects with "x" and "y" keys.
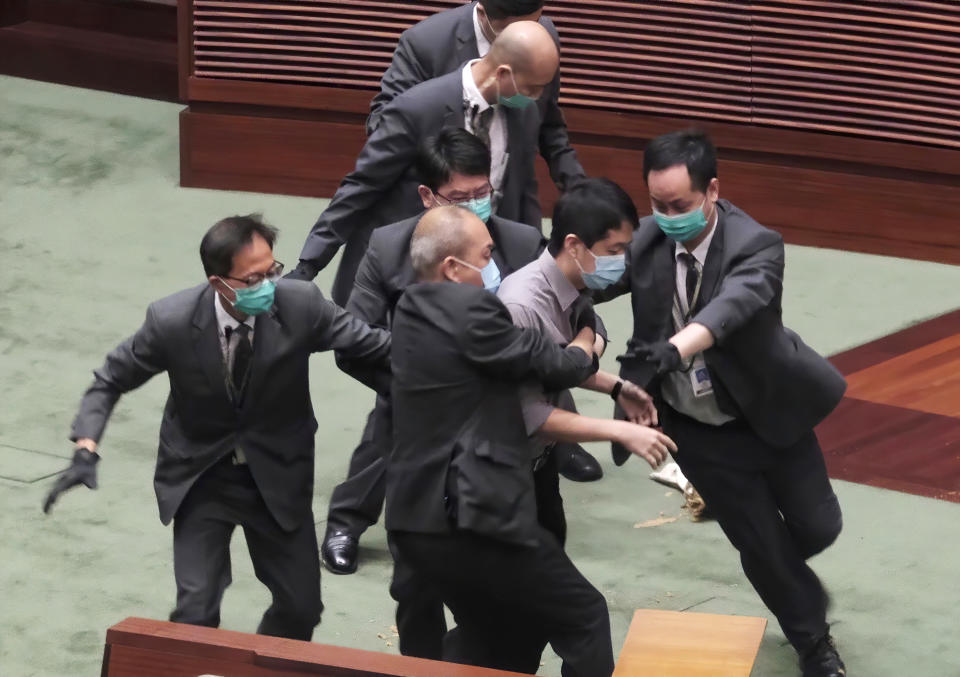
[
  {"x": 450, "y": 243},
  {"x": 522, "y": 61},
  {"x": 528, "y": 49}
]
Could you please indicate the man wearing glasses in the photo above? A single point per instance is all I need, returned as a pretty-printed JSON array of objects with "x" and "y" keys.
[
  {"x": 237, "y": 434},
  {"x": 454, "y": 166}
]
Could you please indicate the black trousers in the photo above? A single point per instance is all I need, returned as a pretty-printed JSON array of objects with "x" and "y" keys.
[
  {"x": 421, "y": 623},
  {"x": 510, "y": 600},
  {"x": 777, "y": 508},
  {"x": 356, "y": 503},
  {"x": 288, "y": 563}
]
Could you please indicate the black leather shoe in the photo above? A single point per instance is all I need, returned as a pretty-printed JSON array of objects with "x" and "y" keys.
[
  {"x": 576, "y": 464},
  {"x": 823, "y": 660},
  {"x": 339, "y": 552}
]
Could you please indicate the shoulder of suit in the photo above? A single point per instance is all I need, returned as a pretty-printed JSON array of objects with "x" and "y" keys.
[
  {"x": 548, "y": 24},
  {"x": 297, "y": 291},
  {"x": 425, "y": 96},
  {"x": 523, "y": 233},
  {"x": 737, "y": 222},
  {"x": 180, "y": 305},
  {"x": 440, "y": 22},
  {"x": 390, "y": 235}
]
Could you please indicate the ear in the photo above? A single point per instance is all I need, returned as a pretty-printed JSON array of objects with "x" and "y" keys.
[
  {"x": 713, "y": 190},
  {"x": 426, "y": 195},
  {"x": 571, "y": 241},
  {"x": 221, "y": 287},
  {"x": 449, "y": 269}
]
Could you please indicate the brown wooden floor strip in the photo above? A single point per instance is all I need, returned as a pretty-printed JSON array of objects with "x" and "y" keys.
[
  {"x": 899, "y": 426},
  {"x": 926, "y": 379},
  {"x": 890, "y": 346},
  {"x": 893, "y": 448}
]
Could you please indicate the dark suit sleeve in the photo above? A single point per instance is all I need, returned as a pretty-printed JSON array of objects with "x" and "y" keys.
[
  {"x": 384, "y": 158},
  {"x": 753, "y": 281},
  {"x": 555, "y": 145},
  {"x": 369, "y": 299},
  {"x": 128, "y": 366},
  {"x": 532, "y": 213},
  {"x": 492, "y": 342},
  {"x": 362, "y": 351},
  {"x": 404, "y": 72},
  {"x": 561, "y": 158}
]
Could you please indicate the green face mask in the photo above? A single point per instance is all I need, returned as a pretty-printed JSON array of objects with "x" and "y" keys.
[
  {"x": 682, "y": 227},
  {"x": 518, "y": 100}
]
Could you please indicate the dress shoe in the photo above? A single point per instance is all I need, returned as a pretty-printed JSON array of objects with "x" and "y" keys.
[
  {"x": 576, "y": 464},
  {"x": 339, "y": 552},
  {"x": 823, "y": 660}
]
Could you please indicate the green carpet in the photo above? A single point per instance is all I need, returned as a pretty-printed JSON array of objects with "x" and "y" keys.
[{"x": 93, "y": 227}]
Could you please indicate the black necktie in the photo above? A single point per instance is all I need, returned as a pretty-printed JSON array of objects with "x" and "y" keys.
[
  {"x": 480, "y": 122},
  {"x": 693, "y": 277},
  {"x": 241, "y": 356}
]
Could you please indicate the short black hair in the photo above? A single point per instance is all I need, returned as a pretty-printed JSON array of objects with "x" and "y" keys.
[
  {"x": 452, "y": 150},
  {"x": 690, "y": 147},
  {"x": 589, "y": 210},
  {"x": 503, "y": 9},
  {"x": 228, "y": 236}
]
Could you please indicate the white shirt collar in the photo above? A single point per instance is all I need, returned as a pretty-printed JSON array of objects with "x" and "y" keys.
[
  {"x": 471, "y": 93},
  {"x": 483, "y": 45},
  {"x": 700, "y": 253},
  {"x": 225, "y": 319}
]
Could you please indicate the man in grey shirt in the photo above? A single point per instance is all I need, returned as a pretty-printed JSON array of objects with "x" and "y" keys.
[{"x": 592, "y": 227}]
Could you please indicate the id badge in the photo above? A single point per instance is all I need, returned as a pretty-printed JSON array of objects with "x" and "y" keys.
[{"x": 700, "y": 377}]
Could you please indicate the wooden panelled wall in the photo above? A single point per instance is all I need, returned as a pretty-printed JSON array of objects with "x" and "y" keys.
[{"x": 838, "y": 123}]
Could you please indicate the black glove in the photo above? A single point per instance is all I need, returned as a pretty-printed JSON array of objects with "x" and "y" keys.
[
  {"x": 664, "y": 354},
  {"x": 582, "y": 314},
  {"x": 305, "y": 271},
  {"x": 82, "y": 470}
]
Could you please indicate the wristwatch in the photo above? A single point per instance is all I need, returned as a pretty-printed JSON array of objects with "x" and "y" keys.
[{"x": 615, "y": 393}]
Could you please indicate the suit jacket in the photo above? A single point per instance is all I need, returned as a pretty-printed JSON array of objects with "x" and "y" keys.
[
  {"x": 445, "y": 41},
  {"x": 761, "y": 370},
  {"x": 386, "y": 270},
  {"x": 273, "y": 423},
  {"x": 382, "y": 189},
  {"x": 458, "y": 430}
]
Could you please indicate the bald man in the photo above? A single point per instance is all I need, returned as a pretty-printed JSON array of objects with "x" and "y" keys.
[
  {"x": 444, "y": 41},
  {"x": 460, "y": 509},
  {"x": 489, "y": 97}
]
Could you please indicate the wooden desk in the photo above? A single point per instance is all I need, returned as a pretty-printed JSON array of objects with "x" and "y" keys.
[
  {"x": 138, "y": 647},
  {"x": 684, "y": 644}
]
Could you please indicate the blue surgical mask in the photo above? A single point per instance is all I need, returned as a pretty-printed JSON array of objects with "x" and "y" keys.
[
  {"x": 682, "y": 227},
  {"x": 490, "y": 274},
  {"x": 482, "y": 207},
  {"x": 254, "y": 301},
  {"x": 609, "y": 269},
  {"x": 518, "y": 100}
]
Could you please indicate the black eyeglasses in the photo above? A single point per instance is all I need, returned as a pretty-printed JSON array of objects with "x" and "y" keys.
[
  {"x": 484, "y": 192},
  {"x": 254, "y": 281}
]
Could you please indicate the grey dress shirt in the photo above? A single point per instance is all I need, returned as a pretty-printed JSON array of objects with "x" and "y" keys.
[{"x": 540, "y": 296}]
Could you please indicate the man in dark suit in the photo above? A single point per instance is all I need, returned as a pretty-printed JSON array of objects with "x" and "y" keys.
[
  {"x": 490, "y": 98},
  {"x": 739, "y": 393},
  {"x": 455, "y": 168},
  {"x": 461, "y": 509},
  {"x": 445, "y": 41},
  {"x": 237, "y": 434}
]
